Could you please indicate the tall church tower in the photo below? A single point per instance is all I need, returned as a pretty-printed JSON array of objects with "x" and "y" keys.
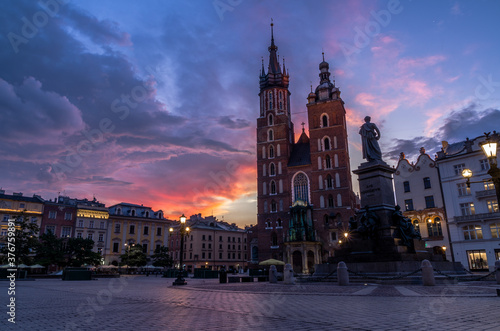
[
  {"x": 274, "y": 139},
  {"x": 331, "y": 185}
]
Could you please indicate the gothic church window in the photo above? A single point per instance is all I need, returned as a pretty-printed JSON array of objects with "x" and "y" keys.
[
  {"x": 271, "y": 120},
  {"x": 301, "y": 187},
  {"x": 330, "y": 201},
  {"x": 273, "y": 187},
  {"x": 270, "y": 100},
  {"x": 270, "y": 135},
  {"x": 328, "y": 162},
  {"x": 272, "y": 170},
  {"x": 324, "y": 121},
  {"x": 271, "y": 152},
  {"x": 329, "y": 181},
  {"x": 326, "y": 143},
  {"x": 274, "y": 207}
]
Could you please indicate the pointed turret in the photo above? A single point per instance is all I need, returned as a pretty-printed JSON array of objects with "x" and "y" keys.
[
  {"x": 326, "y": 90},
  {"x": 274, "y": 76}
]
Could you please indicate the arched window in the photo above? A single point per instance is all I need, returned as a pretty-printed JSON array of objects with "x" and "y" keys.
[
  {"x": 278, "y": 223},
  {"x": 119, "y": 211},
  {"x": 336, "y": 160},
  {"x": 263, "y": 152},
  {"x": 270, "y": 119},
  {"x": 321, "y": 202},
  {"x": 274, "y": 207},
  {"x": 270, "y": 135},
  {"x": 329, "y": 181},
  {"x": 278, "y": 150},
  {"x": 147, "y": 214},
  {"x": 268, "y": 224},
  {"x": 270, "y": 100},
  {"x": 271, "y": 152},
  {"x": 272, "y": 170},
  {"x": 273, "y": 187},
  {"x": 326, "y": 143},
  {"x": 281, "y": 186},
  {"x": 274, "y": 239},
  {"x": 320, "y": 182},
  {"x": 319, "y": 163},
  {"x": 337, "y": 179},
  {"x": 301, "y": 187},
  {"x": 133, "y": 212},
  {"x": 324, "y": 121},
  {"x": 434, "y": 227},
  {"x": 279, "y": 168},
  {"x": 330, "y": 201},
  {"x": 339, "y": 200},
  {"x": 328, "y": 162}
]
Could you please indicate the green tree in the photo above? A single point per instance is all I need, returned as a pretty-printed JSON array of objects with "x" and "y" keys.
[
  {"x": 51, "y": 250},
  {"x": 134, "y": 256},
  {"x": 161, "y": 258},
  {"x": 24, "y": 246},
  {"x": 79, "y": 252}
]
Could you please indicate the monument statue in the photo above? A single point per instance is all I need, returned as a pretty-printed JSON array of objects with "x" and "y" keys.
[
  {"x": 404, "y": 228},
  {"x": 368, "y": 223},
  {"x": 370, "y": 135}
]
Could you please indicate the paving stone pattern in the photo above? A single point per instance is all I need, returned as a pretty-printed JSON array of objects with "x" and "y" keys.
[{"x": 152, "y": 303}]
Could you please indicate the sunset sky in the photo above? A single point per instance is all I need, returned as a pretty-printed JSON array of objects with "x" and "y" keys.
[{"x": 155, "y": 102}]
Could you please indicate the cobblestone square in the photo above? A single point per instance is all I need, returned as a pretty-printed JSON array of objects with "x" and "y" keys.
[{"x": 152, "y": 303}]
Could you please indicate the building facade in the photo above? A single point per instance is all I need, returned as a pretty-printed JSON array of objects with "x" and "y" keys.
[
  {"x": 210, "y": 244},
  {"x": 473, "y": 215},
  {"x": 92, "y": 223},
  {"x": 15, "y": 204},
  {"x": 305, "y": 193},
  {"x": 133, "y": 224},
  {"x": 418, "y": 193},
  {"x": 59, "y": 217}
]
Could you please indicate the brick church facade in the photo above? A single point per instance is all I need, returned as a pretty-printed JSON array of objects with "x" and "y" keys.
[{"x": 305, "y": 195}]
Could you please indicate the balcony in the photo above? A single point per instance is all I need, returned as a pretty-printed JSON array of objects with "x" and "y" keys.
[
  {"x": 477, "y": 217},
  {"x": 485, "y": 194}
]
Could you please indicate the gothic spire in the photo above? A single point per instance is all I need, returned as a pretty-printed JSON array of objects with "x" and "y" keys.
[{"x": 274, "y": 66}]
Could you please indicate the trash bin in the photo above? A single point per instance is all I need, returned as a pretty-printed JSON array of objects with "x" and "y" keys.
[{"x": 222, "y": 276}]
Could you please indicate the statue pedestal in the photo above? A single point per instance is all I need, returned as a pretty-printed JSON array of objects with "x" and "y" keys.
[{"x": 375, "y": 184}]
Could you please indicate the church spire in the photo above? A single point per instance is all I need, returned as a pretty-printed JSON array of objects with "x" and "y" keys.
[
  {"x": 274, "y": 66},
  {"x": 274, "y": 76}
]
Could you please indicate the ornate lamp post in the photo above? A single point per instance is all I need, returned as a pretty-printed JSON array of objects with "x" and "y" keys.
[
  {"x": 489, "y": 147},
  {"x": 183, "y": 231}
]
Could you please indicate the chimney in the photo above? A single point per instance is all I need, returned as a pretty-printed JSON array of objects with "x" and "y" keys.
[{"x": 2, "y": 191}]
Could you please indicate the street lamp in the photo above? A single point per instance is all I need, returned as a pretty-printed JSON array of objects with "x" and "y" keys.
[
  {"x": 489, "y": 147},
  {"x": 183, "y": 231}
]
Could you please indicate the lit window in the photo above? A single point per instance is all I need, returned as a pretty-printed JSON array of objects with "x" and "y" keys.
[
  {"x": 492, "y": 206},
  {"x": 495, "y": 230},
  {"x": 467, "y": 209},
  {"x": 434, "y": 227},
  {"x": 408, "y": 205},
  {"x": 301, "y": 187},
  {"x": 472, "y": 232},
  {"x": 488, "y": 185}
]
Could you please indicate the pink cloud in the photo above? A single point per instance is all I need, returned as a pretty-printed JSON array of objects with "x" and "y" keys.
[{"x": 410, "y": 63}]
